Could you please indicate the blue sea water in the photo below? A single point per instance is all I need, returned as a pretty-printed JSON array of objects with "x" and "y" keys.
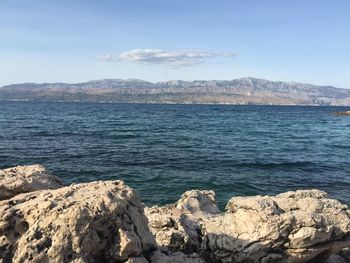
[{"x": 164, "y": 150}]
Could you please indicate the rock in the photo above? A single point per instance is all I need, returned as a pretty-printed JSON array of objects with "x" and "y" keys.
[
  {"x": 176, "y": 257},
  {"x": 177, "y": 227},
  {"x": 334, "y": 259},
  {"x": 24, "y": 179},
  {"x": 290, "y": 227},
  {"x": 345, "y": 253},
  {"x": 89, "y": 222},
  {"x": 106, "y": 222},
  {"x": 137, "y": 260},
  {"x": 343, "y": 113},
  {"x": 173, "y": 230},
  {"x": 341, "y": 257},
  {"x": 198, "y": 203}
]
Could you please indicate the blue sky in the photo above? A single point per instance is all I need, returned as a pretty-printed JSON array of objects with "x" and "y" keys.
[{"x": 155, "y": 40}]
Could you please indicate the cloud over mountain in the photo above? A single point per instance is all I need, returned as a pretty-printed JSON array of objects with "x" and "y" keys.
[{"x": 183, "y": 57}]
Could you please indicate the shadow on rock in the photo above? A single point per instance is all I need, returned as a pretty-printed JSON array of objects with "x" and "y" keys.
[{"x": 291, "y": 227}]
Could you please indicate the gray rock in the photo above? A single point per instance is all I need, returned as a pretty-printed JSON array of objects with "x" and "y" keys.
[
  {"x": 175, "y": 257},
  {"x": 137, "y": 260},
  {"x": 334, "y": 259}
]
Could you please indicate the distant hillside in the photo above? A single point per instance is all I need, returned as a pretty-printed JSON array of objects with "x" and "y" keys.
[{"x": 238, "y": 91}]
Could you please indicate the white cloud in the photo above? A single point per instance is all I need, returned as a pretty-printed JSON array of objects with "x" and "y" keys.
[{"x": 183, "y": 57}]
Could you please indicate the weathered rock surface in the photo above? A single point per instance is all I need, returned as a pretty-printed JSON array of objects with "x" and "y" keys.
[
  {"x": 106, "y": 222},
  {"x": 24, "y": 179},
  {"x": 198, "y": 203},
  {"x": 174, "y": 257},
  {"x": 291, "y": 227},
  {"x": 177, "y": 227},
  {"x": 89, "y": 222}
]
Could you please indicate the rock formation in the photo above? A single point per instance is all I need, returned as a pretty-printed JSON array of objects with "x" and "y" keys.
[
  {"x": 89, "y": 222},
  {"x": 291, "y": 227},
  {"x": 24, "y": 179},
  {"x": 174, "y": 257},
  {"x": 106, "y": 222},
  {"x": 177, "y": 227}
]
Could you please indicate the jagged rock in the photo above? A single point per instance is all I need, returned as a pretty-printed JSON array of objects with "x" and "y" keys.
[
  {"x": 177, "y": 227},
  {"x": 105, "y": 222},
  {"x": 290, "y": 227},
  {"x": 173, "y": 230},
  {"x": 89, "y": 222},
  {"x": 198, "y": 203},
  {"x": 24, "y": 179},
  {"x": 175, "y": 257}
]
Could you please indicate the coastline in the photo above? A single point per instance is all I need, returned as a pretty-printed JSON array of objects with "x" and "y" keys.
[
  {"x": 244, "y": 91},
  {"x": 105, "y": 221},
  {"x": 179, "y": 103}
]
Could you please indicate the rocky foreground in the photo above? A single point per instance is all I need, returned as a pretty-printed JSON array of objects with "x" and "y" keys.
[{"x": 43, "y": 221}]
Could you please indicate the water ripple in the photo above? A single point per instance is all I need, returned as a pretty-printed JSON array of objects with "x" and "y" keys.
[{"x": 163, "y": 150}]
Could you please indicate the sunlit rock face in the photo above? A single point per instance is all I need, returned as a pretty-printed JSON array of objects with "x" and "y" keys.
[
  {"x": 290, "y": 227},
  {"x": 105, "y": 221},
  {"x": 89, "y": 222},
  {"x": 177, "y": 227},
  {"x": 24, "y": 179}
]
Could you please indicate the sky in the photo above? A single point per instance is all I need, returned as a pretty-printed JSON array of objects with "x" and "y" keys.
[{"x": 157, "y": 40}]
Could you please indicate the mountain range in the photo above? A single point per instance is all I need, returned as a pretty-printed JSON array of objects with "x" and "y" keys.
[{"x": 238, "y": 91}]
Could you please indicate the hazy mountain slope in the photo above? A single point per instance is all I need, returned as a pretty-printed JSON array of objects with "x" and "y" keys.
[{"x": 238, "y": 91}]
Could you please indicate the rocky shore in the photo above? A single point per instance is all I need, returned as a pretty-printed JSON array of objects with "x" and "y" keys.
[{"x": 41, "y": 220}]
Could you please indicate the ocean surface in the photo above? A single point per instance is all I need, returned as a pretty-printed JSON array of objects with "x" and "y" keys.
[{"x": 164, "y": 150}]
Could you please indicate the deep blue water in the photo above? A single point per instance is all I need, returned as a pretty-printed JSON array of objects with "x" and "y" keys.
[{"x": 163, "y": 150}]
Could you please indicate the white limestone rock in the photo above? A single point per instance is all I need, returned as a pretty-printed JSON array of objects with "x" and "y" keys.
[
  {"x": 177, "y": 227},
  {"x": 89, "y": 222},
  {"x": 24, "y": 179},
  {"x": 290, "y": 227}
]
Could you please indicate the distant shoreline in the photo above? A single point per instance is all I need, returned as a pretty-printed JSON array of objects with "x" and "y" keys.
[
  {"x": 244, "y": 91},
  {"x": 156, "y": 103}
]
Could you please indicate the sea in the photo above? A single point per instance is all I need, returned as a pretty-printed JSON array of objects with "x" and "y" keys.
[{"x": 164, "y": 150}]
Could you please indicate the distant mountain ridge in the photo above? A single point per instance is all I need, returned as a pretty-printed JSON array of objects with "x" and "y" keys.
[{"x": 238, "y": 91}]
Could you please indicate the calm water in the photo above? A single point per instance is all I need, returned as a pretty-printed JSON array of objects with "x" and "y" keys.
[{"x": 163, "y": 150}]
